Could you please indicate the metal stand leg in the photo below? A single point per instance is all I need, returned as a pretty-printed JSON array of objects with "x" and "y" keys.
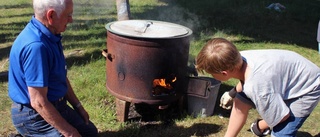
[
  {"x": 182, "y": 104},
  {"x": 122, "y": 108}
]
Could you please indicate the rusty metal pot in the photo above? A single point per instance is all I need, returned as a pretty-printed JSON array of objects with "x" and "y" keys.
[{"x": 140, "y": 53}]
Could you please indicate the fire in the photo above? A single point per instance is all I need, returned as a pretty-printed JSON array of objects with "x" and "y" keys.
[
  {"x": 163, "y": 83},
  {"x": 163, "y": 86}
]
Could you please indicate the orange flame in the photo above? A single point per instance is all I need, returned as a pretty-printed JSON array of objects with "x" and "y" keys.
[{"x": 163, "y": 83}]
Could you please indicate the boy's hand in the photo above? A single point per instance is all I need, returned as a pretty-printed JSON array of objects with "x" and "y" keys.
[{"x": 226, "y": 101}]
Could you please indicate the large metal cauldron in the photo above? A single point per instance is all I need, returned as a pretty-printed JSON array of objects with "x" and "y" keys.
[{"x": 141, "y": 54}]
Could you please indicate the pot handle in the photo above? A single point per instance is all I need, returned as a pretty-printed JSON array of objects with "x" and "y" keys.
[
  {"x": 143, "y": 29},
  {"x": 107, "y": 55}
]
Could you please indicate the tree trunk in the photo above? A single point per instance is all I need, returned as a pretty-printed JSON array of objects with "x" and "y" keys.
[{"x": 123, "y": 9}]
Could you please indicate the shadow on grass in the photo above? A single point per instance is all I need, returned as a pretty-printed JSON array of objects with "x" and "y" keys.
[
  {"x": 20, "y": 15},
  {"x": 18, "y": 6},
  {"x": 318, "y": 135},
  {"x": 205, "y": 130},
  {"x": 304, "y": 134},
  {"x": 84, "y": 59},
  {"x": 11, "y": 30},
  {"x": 152, "y": 122},
  {"x": 4, "y": 76},
  {"x": 297, "y": 24},
  {"x": 149, "y": 121},
  {"x": 4, "y": 52},
  {"x": 232, "y": 17}
]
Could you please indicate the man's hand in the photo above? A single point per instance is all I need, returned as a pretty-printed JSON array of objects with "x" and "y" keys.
[
  {"x": 73, "y": 133},
  {"x": 39, "y": 101},
  {"x": 84, "y": 114},
  {"x": 226, "y": 101}
]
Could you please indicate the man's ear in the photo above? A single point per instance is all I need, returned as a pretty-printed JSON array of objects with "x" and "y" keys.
[{"x": 50, "y": 16}]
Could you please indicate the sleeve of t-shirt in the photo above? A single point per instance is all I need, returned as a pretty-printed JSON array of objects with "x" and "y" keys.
[
  {"x": 268, "y": 102},
  {"x": 272, "y": 108},
  {"x": 243, "y": 97},
  {"x": 35, "y": 65}
]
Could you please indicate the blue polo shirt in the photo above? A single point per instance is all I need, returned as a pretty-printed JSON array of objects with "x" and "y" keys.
[{"x": 36, "y": 60}]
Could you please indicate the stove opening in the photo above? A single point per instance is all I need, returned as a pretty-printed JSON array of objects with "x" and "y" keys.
[{"x": 164, "y": 86}]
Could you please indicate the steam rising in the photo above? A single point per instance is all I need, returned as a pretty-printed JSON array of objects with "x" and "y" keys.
[{"x": 105, "y": 10}]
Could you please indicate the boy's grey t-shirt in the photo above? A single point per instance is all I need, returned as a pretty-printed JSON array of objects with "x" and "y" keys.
[{"x": 277, "y": 78}]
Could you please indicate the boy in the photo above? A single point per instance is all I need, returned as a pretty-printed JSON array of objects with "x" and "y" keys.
[{"x": 282, "y": 85}]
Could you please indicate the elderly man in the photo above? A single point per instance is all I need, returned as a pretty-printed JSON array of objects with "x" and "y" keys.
[{"x": 38, "y": 83}]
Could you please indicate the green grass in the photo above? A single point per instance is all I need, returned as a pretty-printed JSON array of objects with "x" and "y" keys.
[{"x": 247, "y": 23}]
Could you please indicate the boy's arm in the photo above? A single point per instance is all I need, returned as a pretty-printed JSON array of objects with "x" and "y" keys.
[{"x": 238, "y": 117}]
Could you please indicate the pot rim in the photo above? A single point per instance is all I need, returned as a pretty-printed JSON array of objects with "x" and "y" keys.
[{"x": 133, "y": 34}]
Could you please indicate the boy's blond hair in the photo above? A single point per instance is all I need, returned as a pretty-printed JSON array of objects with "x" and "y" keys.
[{"x": 218, "y": 55}]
